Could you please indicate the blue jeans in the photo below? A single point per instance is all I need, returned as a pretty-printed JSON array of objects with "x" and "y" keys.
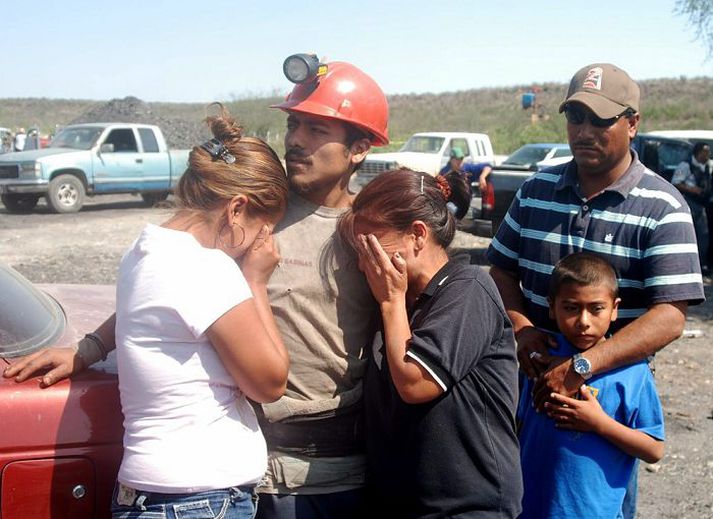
[{"x": 226, "y": 503}]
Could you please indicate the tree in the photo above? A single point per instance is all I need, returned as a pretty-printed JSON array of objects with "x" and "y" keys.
[{"x": 700, "y": 14}]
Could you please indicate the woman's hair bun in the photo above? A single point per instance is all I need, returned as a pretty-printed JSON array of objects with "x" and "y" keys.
[{"x": 223, "y": 126}]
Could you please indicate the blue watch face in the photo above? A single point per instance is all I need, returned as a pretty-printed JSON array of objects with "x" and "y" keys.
[{"x": 581, "y": 365}]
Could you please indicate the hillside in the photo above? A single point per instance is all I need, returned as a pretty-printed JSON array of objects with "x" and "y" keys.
[{"x": 666, "y": 104}]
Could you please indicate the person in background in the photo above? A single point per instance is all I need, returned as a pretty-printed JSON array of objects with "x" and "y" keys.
[
  {"x": 33, "y": 140},
  {"x": 323, "y": 308},
  {"x": 440, "y": 389},
  {"x": 605, "y": 201},
  {"x": 473, "y": 172},
  {"x": 693, "y": 179},
  {"x": 18, "y": 143},
  {"x": 578, "y": 458}
]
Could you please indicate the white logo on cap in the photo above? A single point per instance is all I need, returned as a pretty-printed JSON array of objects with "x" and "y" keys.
[{"x": 593, "y": 79}]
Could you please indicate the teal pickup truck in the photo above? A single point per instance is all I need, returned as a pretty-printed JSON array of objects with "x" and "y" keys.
[{"x": 91, "y": 159}]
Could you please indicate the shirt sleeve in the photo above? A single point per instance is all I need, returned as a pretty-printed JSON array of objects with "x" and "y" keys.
[
  {"x": 462, "y": 324},
  {"x": 504, "y": 249},
  {"x": 670, "y": 257},
  {"x": 643, "y": 406},
  {"x": 209, "y": 293}
]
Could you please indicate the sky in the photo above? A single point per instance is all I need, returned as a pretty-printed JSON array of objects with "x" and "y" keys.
[{"x": 208, "y": 50}]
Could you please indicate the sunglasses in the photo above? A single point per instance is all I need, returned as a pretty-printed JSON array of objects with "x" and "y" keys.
[{"x": 576, "y": 115}]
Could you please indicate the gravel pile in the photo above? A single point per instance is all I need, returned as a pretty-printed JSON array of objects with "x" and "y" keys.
[{"x": 179, "y": 133}]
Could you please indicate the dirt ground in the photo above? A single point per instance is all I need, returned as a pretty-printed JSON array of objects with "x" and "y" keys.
[{"x": 86, "y": 248}]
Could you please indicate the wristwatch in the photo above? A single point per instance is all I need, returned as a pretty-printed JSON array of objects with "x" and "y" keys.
[{"x": 582, "y": 366}]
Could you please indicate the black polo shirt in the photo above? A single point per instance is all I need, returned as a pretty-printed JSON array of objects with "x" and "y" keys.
[{"x": 456, "y": 456}]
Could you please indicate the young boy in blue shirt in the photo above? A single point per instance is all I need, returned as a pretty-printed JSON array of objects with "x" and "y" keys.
[{"x": 578, "y": 457}]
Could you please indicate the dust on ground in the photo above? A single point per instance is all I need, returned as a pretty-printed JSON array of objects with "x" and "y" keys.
[{"x": 86, "y": 248}]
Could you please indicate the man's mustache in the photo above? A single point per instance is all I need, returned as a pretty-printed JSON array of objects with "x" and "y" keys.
[{"x": 296, "y": 155}]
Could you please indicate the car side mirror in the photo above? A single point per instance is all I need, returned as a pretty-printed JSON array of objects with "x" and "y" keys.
[{"x": 106, "y": 148}]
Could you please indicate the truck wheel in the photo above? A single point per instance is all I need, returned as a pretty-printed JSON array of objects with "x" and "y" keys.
[
  {"x": 151, "y": 199},
  {"x": 19, "y": 203},
  {"x": 66, "y": 194}
]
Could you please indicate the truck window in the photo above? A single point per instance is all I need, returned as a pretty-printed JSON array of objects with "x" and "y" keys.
[
  {"x": 459, "y": 143},
  {"x": 561, "y": 152},
  {"x": 78, "y": 138},
  {"x": 148, "y": 140},
  {"x": 422, "y": 144},
  {"x": 123, "y": 140},
  {"x": 672, "y": 154}
]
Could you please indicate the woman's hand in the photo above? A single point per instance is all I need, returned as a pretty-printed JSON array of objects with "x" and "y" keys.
[
  {"x": 387, "y": 276},
  {"x": 61, "y": 363},
  {"x": 262, "y": 257}
]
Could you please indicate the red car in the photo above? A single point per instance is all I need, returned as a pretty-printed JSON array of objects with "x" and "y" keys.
[{"x": 60, "y": 447}]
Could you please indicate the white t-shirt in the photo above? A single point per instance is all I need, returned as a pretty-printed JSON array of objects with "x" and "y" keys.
[
  {"x": 19, "y": 143},
  {"x": 188, "y": 427}
]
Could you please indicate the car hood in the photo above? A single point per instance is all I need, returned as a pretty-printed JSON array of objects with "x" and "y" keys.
[
  {"x": 74, "y": 413},
  {"x": 26, "y": 156},
  {"x": 85, "y": 308}
]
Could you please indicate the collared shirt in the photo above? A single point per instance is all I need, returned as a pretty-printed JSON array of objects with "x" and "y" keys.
[
  {"x": 640, "y": 223},
  {"x": 456, "y": 455}
]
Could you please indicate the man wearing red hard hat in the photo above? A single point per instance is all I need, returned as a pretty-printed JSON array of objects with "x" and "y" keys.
[{"x": 321, "y": 301}]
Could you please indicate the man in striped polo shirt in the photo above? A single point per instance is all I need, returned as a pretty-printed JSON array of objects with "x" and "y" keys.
[{"x": 607, "y": 202}]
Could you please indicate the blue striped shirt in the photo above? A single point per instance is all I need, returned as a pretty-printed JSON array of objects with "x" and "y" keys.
[{"x": 640, "y": 223}]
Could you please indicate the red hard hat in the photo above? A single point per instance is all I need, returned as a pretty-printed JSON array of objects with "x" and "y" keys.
[{"x": 347, "y": 94}]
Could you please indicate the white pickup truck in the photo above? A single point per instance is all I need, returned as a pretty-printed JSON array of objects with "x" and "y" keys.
[{"x": 427, "y": 152}]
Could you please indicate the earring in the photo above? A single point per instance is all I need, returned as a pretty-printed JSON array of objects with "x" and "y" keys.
[{"x": 232, "y": 245}]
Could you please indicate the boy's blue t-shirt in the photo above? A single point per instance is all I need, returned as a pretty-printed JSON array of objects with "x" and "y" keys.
[{"x": 580, "y": 474}]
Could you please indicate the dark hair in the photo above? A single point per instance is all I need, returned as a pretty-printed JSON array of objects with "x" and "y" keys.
[
  {"x": 397, "y": 198},
  {"x": 256, "y": 173},
  {"x": 584, "y": 269},
  {"x": 354, "y": 133},
  {"x": 699, "y": 147},
  {"x": 460, "y": 193}
]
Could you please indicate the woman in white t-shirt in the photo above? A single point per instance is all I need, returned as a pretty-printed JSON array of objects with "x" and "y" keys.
[{"x": 196, "y": 337}]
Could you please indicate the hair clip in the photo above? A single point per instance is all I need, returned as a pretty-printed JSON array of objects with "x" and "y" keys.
[
  {"x": 421, "y": 184},
  {"x": 217, "y": 149},
  {"x": 452, "y": 208}
]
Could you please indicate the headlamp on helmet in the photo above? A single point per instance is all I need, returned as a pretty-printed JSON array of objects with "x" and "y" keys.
[{"x": 302, "y": 68}]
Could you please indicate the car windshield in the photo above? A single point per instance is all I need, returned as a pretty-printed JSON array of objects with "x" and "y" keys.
[
  {"x": 29, "y": 319},
  {"x": 80, "y": 138},
  {"x": 527, "y": 155},
  {"x": 421, "y": 144}
]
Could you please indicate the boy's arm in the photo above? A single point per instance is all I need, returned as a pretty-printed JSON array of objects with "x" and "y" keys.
[{"x": 588, "y": 415}]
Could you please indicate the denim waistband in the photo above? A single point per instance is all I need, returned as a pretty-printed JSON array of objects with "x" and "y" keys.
[{"x": 128, "y": 496}]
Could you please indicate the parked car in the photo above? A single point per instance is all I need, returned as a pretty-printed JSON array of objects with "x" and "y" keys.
[
  {"x": 91, "y": 159},
  {"x": 427, "y": 152},
  {"x": 692, "y": 136},
  {"x": 537, "y": 156},
  {"x": 660, "y": 154},
  {"x": 60, "y": 447}
]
